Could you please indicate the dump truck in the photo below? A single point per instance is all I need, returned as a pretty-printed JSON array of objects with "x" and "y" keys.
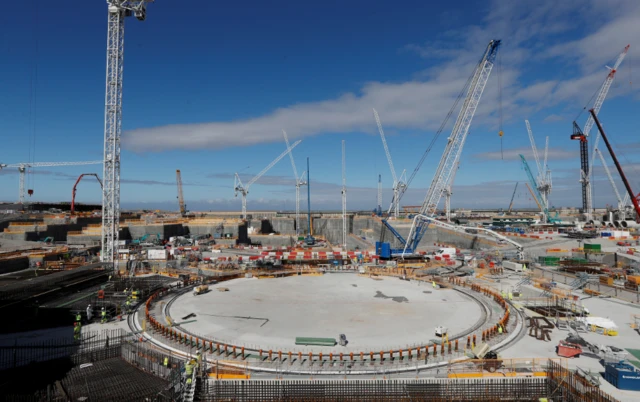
[
  {"x": 200, "y": 289},
  {"x": 489, "y": 360}
]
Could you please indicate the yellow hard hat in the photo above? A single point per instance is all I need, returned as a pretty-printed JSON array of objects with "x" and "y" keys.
[{"x": 500, "y": 133}]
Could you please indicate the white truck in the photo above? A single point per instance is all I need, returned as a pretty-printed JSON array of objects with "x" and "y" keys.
[{"x": 446, "y": 251}]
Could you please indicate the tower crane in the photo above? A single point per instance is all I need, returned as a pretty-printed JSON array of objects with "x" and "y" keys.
[
  {"x": 23, "y": 166},
  {"x": 73, "y": 192},
  {"x": 583, "y": 135},
  {"x": 453, "y": 149},
  {"x": 181, "y": 204},
  {"x": 448, "y": 192},
  {"x": 344, "y": 197},
  {"x": 300, "y": 181},
  {"x": 398, "y": 184},
  {"x": 543, "y": 182},
  {"x": 117, "y": 11},
  {"x": 238, "y": 187}
]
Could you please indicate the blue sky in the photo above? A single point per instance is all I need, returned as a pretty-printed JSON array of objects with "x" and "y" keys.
[{"x": 208, "y": 90}]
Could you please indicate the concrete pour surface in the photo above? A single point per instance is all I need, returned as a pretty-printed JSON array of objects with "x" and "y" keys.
[{"x": 374, "y": 314}]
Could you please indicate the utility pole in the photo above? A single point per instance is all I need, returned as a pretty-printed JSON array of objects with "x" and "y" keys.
[
  {"x": 344, "y": 197},
  {"x": 118, "y": 10}
]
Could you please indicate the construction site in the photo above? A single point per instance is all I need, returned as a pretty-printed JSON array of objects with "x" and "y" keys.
[{"x": 405, "y": 303}]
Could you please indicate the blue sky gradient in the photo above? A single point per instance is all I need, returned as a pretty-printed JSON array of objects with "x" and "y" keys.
[{"x": 208, "y": 89}]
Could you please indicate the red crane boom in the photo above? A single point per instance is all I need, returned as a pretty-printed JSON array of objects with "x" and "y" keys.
[
  {"x": 73, "y": 193},
  {"x": 634, "y": 198}
]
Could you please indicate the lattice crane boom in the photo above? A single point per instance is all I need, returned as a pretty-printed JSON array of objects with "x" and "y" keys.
[
  {"x": 386, "y": 147},
  {"x": 300, "y": 181},
  {"x": 621, "y": 202},
  {"x": 181, "y": 204},
  {"x": 455, "y": 143},
  {"x": 293, "y": 163},
  {"x": 586, "y": 176},
  {"x": 399, "y": 184},
  {"x": 448, "y": 192},
  {"x": 272, "y": 164},
  {"x": 533, "y": 147},
  {"x": 117, "y": 11}
]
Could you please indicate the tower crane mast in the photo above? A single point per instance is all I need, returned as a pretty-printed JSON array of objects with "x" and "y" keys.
[
  {"x": 239, "y": 187},
  {"x": 117, "y": 11},
  {"x": 454, "y": 146}
]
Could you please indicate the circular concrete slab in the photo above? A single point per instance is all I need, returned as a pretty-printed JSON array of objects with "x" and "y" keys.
[{"x": 375, "y": 315}]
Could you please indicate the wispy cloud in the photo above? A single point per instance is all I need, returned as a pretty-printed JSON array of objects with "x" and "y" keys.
[
  {"x": 553, "y": 118},
  {"x": 514, "y": 154}
]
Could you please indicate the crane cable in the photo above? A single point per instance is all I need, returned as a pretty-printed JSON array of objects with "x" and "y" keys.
[{"x": 33, "y": 96}]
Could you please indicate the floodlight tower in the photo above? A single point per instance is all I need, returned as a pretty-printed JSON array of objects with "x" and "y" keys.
[{"x": 118, "y": 10}]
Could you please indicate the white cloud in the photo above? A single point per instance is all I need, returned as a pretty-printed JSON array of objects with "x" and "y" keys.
[{"x": 531, "y": 37}]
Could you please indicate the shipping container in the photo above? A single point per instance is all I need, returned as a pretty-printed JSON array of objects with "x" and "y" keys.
[
  {"x": 157, "y": 254},
  {"x": 513, "y": 266},
  {"x": 622, "y": 376}
]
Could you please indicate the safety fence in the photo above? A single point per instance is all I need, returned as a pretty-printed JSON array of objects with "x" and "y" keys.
[
  {"x": 100, "y": 344},
  {"x": 565, "y": 385},
  {"x": 514, "y": 389}
]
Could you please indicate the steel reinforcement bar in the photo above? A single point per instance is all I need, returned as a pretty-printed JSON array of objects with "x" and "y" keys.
[{"x": 345, "y": 362}]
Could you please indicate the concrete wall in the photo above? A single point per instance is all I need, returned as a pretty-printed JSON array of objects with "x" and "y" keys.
[
  {"x": 13, "y": 264},
  {"x": 58, "y": 232},
  {"x": 165, "y": 231},
  {"x": 285, "y": 226},
  {"x": 274, "y": 240},
  {"x": 211, "y": 229}
]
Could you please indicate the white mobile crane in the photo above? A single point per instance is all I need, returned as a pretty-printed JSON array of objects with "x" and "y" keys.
[
  {"x": 238, "y": 187},
  {"x": 451, "y": 156}
]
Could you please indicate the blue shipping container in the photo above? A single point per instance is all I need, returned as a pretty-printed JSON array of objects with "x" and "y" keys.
[{"x": 622, "y": 376}]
